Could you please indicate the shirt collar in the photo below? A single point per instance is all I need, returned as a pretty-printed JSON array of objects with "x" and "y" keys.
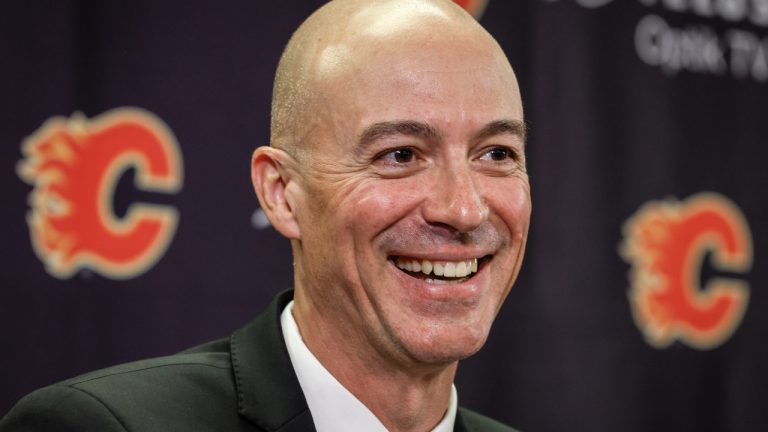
[{"x": 330, "y": 402}]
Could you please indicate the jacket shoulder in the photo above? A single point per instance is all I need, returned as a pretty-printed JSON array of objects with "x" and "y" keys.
[
  {"x": 199, "y": 359},
  {"x": 195, "y": 387},
  {"x": 476, "y": 422},
  {"x": 60, "y": 408}
]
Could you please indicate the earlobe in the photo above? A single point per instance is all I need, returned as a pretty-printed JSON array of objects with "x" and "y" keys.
[{"x": 270, "y": 181}]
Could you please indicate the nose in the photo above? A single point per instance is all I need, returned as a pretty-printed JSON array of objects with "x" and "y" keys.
[{"x": 455, "y": 200}]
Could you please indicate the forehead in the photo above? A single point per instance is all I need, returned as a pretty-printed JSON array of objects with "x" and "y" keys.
[{"x": 442, "y": 82}]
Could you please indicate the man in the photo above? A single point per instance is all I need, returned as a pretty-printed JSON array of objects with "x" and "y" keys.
[{"x": 397, "y": 171}]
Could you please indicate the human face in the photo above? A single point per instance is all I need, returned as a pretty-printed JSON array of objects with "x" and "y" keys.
[{"x": 416, "y": 157}]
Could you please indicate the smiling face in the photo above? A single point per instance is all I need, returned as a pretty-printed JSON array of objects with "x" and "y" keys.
[{"x": 412, "y": 203}]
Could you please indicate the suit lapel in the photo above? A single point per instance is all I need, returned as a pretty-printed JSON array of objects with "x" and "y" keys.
[
  {"x": 460, "y": 424},
  {"x": 268, "y": 392}
]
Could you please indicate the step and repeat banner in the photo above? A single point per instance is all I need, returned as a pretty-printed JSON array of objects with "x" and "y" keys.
[{"x": 131, "y": 229}]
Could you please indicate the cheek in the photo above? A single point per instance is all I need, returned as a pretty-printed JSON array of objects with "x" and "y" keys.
[
  {"x": 512, "y": 203},
  {"x": 378, "y": 204}
]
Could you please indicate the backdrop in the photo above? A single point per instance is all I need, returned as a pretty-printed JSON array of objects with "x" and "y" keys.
[{"x": 131, "y": 229}]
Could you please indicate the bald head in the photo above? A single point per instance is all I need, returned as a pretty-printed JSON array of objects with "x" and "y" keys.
[{"x": 340, "y": 39}]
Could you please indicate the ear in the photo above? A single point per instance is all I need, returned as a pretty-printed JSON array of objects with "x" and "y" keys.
[{"x": 270, "y": 181}]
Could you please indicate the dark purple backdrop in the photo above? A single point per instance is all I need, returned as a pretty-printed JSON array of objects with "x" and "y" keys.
[{"x": 628, "y": 101}]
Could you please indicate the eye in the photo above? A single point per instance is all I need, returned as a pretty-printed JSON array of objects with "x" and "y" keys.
[
  {"x": 398, "y": 156},
  {"x": 397, "y": 162},
  {"x": 499, "y": 154},
  {"x": 402, "y": 155}
]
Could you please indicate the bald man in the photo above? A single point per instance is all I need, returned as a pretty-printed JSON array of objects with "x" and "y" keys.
[{"x": 397, "y": 171}]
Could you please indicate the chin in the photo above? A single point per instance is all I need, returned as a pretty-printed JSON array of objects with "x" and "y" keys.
[{"x": 442, "y": 345}]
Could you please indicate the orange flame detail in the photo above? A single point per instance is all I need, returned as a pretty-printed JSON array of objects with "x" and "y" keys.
[
  {"x": 665, "y": 242},
  {"x": 74, "y": 165}
]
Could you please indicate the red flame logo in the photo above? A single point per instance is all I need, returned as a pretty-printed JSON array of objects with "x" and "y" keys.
[
  {"x": 74, "y": 165},
  {"x": 474, "y": 7},
  {"x": 666, "y": 242}
]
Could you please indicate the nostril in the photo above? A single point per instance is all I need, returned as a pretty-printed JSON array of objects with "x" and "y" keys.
[{"x": 456, "y": 215}]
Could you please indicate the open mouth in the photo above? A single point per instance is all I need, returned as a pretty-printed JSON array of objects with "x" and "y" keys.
[{"x": 440, "y": 271}]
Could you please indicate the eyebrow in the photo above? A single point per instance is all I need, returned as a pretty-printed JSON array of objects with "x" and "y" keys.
[
  {"x": 421, "y": 130},
  {"x": 404, "y": 127},
  {"x": 501, "y": 127}
]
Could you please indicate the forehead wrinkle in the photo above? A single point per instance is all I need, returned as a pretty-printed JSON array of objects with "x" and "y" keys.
[{"x": 380, "y": 130}]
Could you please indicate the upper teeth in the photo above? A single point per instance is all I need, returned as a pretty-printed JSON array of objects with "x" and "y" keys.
[{"x": 438, "y": 268}]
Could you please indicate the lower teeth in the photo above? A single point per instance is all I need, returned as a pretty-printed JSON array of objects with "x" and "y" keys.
[{"x": 445, "y": 281}]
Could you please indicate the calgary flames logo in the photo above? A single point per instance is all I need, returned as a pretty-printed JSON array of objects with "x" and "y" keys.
[
  {"x": 474, "y": 7},
  {"x": 666, "y": 243},
  {"x": 74, "y": 165}
]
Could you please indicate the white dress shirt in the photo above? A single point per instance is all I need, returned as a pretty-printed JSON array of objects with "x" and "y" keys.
[{"x": 333, "y": 407}]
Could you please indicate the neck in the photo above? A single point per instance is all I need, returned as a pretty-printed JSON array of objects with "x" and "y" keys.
[{"x": 403, "y": 394}]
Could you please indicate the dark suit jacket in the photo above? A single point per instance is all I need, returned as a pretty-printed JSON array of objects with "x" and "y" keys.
[{"x": 244, "y": 383}]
